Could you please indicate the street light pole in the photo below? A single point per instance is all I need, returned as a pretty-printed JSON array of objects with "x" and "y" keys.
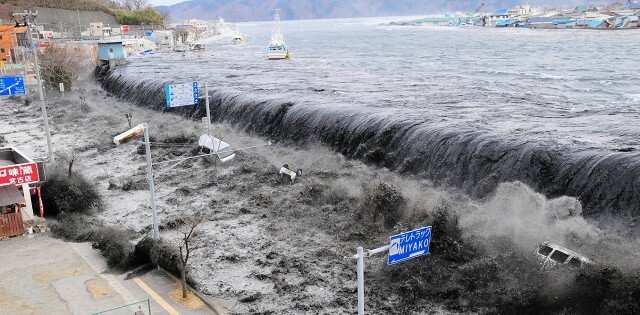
[
  {"x": 150, "y": 179},
  {"x": 26, "y": 14}
]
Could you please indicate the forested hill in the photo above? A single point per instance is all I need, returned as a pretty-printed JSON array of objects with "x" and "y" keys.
[
  {"x": 8, "y": 7},
  {"x": 255, "y": 10}
]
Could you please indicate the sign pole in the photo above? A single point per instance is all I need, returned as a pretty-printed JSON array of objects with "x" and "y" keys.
[
  {"x": 404, "y": 246},
  {"x": 150, "y": 179},
  {"x": 206, "y": 97},
  {"x": 360, "y": 255}
]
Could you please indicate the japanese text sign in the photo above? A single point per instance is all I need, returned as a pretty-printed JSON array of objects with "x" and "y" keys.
[
  {"x": 19, "y": 174},
  {"x": 409, "y": 245}
]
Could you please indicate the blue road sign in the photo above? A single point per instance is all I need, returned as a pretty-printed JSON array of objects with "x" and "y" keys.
[
  {"x": 409, "y": 245},
  {"x": 148, "y": 33},
  {"x": 11, "y": 86},
  {"x": 181, "y": 94}
]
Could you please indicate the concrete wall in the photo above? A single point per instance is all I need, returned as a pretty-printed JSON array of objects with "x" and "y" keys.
[{"x": 51, "y": 18}]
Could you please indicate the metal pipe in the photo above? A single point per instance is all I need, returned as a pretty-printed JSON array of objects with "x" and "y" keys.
[
  {"x": 206, "y": 93},
  {"x": 360, "y": 281},
  {"x": 371, "y": 252}
]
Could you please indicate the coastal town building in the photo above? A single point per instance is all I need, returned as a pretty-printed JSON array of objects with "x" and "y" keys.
[{"x": 9, "y": 41}]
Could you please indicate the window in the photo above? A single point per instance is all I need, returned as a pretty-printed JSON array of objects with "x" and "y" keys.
[
  {"x": 574, "y": 262},
  {"x": 0, "y": 36},
  {"x": 545, "y": 250},
  {"x": 1, "y": 49},
  {"x": 559, "y": 256}
]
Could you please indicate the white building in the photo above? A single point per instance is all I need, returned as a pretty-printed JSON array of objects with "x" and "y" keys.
[
  {"x": 165, "y": 39},
  {"x": 199, "y": 24}
]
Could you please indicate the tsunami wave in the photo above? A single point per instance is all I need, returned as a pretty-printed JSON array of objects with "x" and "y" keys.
[{"x": 604, "y": 181}]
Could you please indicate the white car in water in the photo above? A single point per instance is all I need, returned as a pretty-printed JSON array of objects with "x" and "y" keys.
[{"x": 551, "y": 254}]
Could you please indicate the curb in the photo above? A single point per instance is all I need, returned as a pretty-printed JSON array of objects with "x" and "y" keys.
[{"x": 216, "y": 309}]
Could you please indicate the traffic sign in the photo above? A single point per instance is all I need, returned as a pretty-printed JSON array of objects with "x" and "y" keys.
[
  {"x": 125, "y": 28},
  {"x": 181, "y": 94},
  {"x": 11, "y": 86},
  {"x": 409, "y": 245},
  {"x": 148, "y": 33}
]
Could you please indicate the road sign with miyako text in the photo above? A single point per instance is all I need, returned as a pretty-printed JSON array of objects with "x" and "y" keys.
[
  {"x": 181, "y": 94},
  {"x": 409, "y": 245}
]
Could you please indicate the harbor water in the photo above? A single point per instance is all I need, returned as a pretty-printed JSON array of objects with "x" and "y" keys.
[{"x": 467, "y": 107}]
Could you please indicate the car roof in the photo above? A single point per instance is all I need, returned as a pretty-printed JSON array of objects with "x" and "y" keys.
[{"x": 566, "y": 250}]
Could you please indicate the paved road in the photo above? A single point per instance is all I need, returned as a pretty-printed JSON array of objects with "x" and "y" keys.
[{"x": 44, "y": 275}]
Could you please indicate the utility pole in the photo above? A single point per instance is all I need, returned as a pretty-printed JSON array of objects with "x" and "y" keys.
[
  {"x": 152, "y": 189},
  {"x": 26, "y": 14}
]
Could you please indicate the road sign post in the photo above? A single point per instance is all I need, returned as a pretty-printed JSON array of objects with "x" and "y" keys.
[
  {"x": 360, "y": 280},
  {"x": 206, "y": 97},
  {"x": 401, "y": 247},
  {"x": 185, "y": 94}
]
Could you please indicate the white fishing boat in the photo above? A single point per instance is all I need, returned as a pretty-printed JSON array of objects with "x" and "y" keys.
[
  {"x": 277, "y": 48},
  {"x": 238, "y": 38}
]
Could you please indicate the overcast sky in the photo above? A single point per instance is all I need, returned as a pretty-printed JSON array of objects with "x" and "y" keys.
[{"x": 165, "y": 2}]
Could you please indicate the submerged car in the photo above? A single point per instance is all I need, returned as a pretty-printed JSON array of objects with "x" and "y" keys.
[{"x": 551, "y": 254}]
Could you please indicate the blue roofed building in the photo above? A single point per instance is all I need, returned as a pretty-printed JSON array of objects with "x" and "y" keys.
[
  {"x": 506, "y": 23},
  {"x": 500, "y": 14}
]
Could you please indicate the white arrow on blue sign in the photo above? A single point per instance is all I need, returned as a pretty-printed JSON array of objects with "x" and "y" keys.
[
  {"x": 11, "y": 86},
  {"x": 409, "y": 245}
]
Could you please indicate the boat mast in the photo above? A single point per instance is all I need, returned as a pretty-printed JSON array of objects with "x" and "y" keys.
[{"x": 277, "y": 37}]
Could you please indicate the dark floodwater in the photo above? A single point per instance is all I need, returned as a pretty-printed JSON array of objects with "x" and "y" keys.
[{"x": 468, "y": 107}]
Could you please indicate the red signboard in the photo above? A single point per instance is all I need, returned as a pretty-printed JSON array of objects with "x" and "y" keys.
[
  {"x": 125, "y": 28},
  {"x": 19, "y": 174}
]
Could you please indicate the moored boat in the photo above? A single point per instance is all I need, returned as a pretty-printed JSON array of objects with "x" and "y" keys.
[{"x": 277, "y": 48}]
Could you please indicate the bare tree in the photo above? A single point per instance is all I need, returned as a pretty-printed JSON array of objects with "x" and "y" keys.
[
  {"x": 113, "y": 4},
  {"x": 129, "y": 116},
  {"x": 62, "y": 64},
  {"x": 134, "y": 4},
  {"x": 190, "y": 238},
  {"x": 69, "y": 155},
  {"x": 166, "y": 16}
]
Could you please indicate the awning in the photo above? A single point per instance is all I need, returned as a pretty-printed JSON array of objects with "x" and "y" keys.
[{"x": 9, "y": 194}]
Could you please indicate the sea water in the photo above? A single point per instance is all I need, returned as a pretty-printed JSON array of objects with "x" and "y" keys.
[{"x": 466, "y": 106}]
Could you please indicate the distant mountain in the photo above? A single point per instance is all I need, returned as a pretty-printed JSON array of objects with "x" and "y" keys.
[{"x": 257, "y": 10}]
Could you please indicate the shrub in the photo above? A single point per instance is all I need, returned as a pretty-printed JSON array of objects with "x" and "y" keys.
[
  {"x": 137, "y": 17},
  {"x": 382, "y": 200},
  {"x": 114, "y": 245},
  {"x": 62, "y": 193},
  {"x": 62, "y": 64}
]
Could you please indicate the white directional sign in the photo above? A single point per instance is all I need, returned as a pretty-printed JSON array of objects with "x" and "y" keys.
[
  {"x": 409, "y": 245},
  {"x": 181, "y": 94}
]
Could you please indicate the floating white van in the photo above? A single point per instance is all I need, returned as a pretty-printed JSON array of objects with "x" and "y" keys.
[
  {"x": 552, "y": 254},
  {"x": 211, "y": 144}
]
